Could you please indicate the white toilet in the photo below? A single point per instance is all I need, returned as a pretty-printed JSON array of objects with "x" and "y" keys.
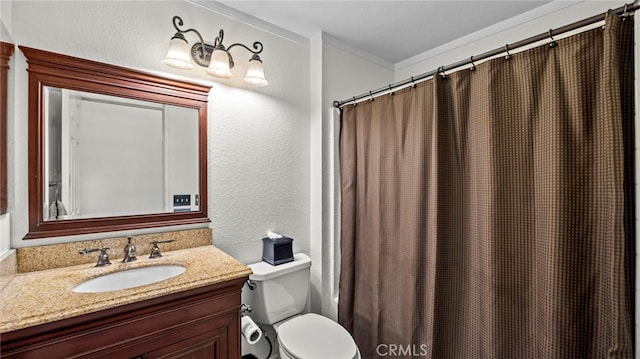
[{"x": 278, "y": 298}]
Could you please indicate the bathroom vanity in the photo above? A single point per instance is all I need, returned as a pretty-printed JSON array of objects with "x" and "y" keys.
[{"x": 192, "y": 315}]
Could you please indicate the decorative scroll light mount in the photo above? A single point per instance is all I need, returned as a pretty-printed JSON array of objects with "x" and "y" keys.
[{"x": 216, "y": 58}]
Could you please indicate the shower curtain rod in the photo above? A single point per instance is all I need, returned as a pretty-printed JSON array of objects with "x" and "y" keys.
[{"x": 625, "y": 10}]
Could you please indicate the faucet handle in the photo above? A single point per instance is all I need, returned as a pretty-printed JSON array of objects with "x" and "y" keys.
[
  {"x": 155, "y": 250},
  {"x": 129, "y": 252},
  {"x": 103, "y": 257}
]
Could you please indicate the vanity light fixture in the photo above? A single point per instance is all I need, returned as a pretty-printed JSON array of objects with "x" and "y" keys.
[{"x": 216, "y": 58}]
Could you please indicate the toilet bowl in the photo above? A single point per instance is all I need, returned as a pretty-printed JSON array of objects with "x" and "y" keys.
[
  {"x": 310, "y": 336},
  {"x": 278, "y": 295}
]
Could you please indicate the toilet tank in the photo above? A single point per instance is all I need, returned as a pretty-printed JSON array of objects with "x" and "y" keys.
[{"x": 279, "y": 291}]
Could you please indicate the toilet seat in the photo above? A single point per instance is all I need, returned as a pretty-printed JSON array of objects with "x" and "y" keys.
[{"x": 312, "y": 336}]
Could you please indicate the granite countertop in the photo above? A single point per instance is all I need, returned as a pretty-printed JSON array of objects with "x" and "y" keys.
[{"x": 44, "y": 296}]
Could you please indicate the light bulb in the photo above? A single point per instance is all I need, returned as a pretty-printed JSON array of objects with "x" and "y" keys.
[
  {"x": 178, "y": 54},
  {"x": 255, "y": 72},
  {"x": 219, "y": 66}
]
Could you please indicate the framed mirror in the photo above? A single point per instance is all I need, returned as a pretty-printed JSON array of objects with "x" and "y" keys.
[
  {"x": 6, "y": 50},
  {"x": 111, "y": 148}
]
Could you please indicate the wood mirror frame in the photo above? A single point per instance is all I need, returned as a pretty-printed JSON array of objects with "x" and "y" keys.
[
  {"x": 6, "y": 50},
  {"x": 62, "y": 71}
]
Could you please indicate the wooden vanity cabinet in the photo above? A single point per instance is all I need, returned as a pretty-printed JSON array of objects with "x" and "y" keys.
[{"x": 197, "y": 323}]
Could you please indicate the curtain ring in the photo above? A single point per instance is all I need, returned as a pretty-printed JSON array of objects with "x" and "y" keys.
[
  {"x": 508, "y": 55},
  {"x": 413, "y": 84},
  {"x": 553, "y": 42},
  {"x": 354, "y": 101},
  {"x": 624, "y": 12},
  {"x": 370, "y": 96},
  {"x": 473, "y": 66},
  {"x": 441, "y": 72}
]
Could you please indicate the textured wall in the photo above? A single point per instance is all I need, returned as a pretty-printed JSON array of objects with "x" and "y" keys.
[
  {"x": 260, "y": 178},
  {"x": 5, "y": 36},
  {"x": 258, "y": 138}
]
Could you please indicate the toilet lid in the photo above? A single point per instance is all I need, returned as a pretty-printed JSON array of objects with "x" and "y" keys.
[{"x": 313, "y": 336}]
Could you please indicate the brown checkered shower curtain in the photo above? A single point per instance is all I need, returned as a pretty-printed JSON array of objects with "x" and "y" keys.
[{"x": 489, "y": 214}]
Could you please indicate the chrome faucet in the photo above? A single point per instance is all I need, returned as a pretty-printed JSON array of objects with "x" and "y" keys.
[
  {"x": 155, "y": 250},
  {"x": 129, "y": 252},
  {"x": 103, "y": 258}
]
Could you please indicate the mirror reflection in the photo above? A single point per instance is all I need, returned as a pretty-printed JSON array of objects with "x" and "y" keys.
[{"x": 112, "y": 156}]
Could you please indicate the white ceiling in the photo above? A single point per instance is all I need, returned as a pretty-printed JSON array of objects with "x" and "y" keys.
[{"x": 388, "y": 32}]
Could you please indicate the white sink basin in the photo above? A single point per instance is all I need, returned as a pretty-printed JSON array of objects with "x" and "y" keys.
[{"x": 129, "y": 278}]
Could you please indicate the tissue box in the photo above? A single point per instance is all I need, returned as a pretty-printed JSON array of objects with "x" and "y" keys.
[{"x": 277, "y": 250}]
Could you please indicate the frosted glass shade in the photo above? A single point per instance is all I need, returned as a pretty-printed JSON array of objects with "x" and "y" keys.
[
  {"x": 178, "y": 55},
  {"x": 219, "y": 66},
  {"x": 255, "y": 73}
]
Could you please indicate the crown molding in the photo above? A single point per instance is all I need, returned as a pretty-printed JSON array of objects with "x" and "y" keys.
[
  {"x": 357, "y": 51},
  {"x": 530, "y": 15},
  {"x": 251, "y": 20}
]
